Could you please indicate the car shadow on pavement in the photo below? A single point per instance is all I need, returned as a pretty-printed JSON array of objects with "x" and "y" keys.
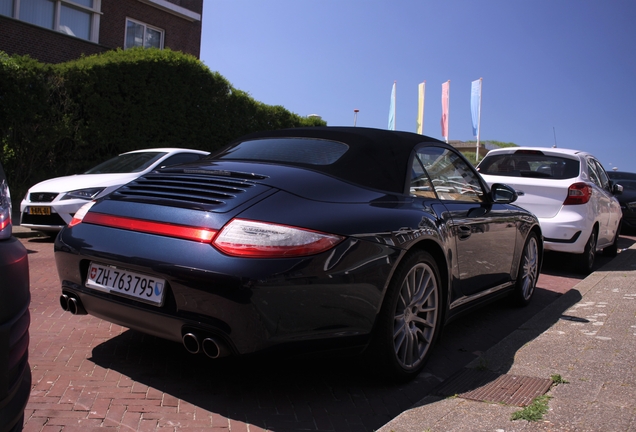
[{"x": 269, "y": 390}]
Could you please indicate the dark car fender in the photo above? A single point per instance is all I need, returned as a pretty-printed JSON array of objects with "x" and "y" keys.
[{"x": 397, "y": 224}]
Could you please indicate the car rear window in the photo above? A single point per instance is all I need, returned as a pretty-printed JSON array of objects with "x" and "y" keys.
[
  {"x": 304, "y": 151},
  {"x": 534, "y": 164}
]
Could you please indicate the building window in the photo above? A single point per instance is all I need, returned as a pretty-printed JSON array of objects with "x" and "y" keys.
[
  {"x": 139, "y": 34},
  {"x": 6, "y": 7},
  {"x": 75, "y": 22},
  {"x": 79, "y": 18},
  {"x": 38, "y": 12}
]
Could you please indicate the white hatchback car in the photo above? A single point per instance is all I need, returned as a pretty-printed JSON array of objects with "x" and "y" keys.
[
  {"x": 50, "y": 205},
  {"x": 570, "y": 193}
]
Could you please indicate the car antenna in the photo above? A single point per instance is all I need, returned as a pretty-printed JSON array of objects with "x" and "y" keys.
[{"x": 554, "y": 131}]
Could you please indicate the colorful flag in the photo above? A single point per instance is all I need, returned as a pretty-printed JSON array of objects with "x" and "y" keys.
[
  {"x": 445, "y": 108},
  {"x": 475, "y": 105},
  {"x": 420, "y": 107},
  {"x": 392, "y": 109}
]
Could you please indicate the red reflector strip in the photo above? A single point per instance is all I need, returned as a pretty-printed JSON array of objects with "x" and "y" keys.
[
  {"x": 275, "y": 251},
  {"x": 150, "y": 227}
]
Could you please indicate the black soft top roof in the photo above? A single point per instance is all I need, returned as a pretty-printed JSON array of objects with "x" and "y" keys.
[{"x": 376, "y": 158}]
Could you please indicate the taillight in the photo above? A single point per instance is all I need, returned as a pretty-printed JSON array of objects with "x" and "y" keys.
[
  {"x": 151, "y": 227},
  {"x": 5, "y": 210},
  {"x": 241, "y": 238},
  {"x": 245, "y": 238},
  {"x": 4, "y": 221},
  {"x": 578, "y": 193},
  {"x": 78, "y": 217}
]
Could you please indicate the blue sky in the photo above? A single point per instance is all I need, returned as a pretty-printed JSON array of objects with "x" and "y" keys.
[{"x": 563, "y": 69}]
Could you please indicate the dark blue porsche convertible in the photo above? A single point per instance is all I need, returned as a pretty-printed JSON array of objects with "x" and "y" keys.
[{"x": 310, "y": 238}]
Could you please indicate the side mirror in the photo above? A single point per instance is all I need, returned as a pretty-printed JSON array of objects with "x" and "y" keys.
[
  {"x": 617, "y": 189},
  {"x": 502, "y": 194}
]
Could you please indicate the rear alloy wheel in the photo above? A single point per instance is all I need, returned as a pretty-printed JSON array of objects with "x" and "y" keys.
[
  {"x": 585, "y": 261},
  {"x": 410, "y": 319},
  {"x": 528, "y": 272}
]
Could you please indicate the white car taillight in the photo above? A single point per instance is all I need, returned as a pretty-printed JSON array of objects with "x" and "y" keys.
[
  {"x": 245, "y": 238},
  {"x": 578, "y": 193}
]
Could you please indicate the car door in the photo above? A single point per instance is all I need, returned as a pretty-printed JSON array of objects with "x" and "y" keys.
[
  {"x": 613, "y": 208},
  {"x": 607, "y": 205},
  {"x": 483, "y": 232}
]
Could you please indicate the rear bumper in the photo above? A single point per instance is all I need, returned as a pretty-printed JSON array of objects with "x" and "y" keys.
[
  {"x": 15, "y": 373},
  {"x": 566, "y": 235},
  {"x": 251, "y": 305},
  {"x": 12, "y": 408}
]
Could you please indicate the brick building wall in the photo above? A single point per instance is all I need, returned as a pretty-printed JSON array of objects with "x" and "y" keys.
[
  {"x": 180, "y": 33},
  {"x": 49, "y": 46}
]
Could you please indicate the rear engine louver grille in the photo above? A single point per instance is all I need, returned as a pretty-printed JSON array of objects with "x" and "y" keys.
[{"x": 197, "y": 191}]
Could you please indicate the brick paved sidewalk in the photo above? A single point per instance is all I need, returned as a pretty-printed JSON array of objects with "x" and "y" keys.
[
  {"x": 75, "y": 385},
  {"x": 89, "y": 374}
]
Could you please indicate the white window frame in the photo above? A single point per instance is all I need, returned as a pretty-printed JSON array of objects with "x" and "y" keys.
[
  {"x": 95, "y": 12},
  {"x": 146, "y": 27}
]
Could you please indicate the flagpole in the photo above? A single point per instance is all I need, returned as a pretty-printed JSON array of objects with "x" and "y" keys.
[
  {"x": 392, "y": 108},
  {"x": 479, "y": 120},
  {"x": 394, "y": 103},
  {"x": 445, "y": 109},
  {"x": 420, "y": 107}
]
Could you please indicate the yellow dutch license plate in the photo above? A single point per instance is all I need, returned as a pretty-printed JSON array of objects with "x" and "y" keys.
[{"x": 40, "y": 211}]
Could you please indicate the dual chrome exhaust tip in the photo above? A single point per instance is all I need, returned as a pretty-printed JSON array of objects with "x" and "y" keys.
[
  {"x": 211, "y": 346},
  {"x": 72, "y": 304},
  {"x": 194, "y": 342}
]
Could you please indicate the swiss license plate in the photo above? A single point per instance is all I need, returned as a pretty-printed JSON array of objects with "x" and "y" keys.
[
  {"x": 148, "y": 289},
  {"x": 40, "y": 211}
]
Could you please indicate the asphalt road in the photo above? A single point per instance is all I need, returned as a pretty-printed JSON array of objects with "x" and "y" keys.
[{"x": 89, "y": 374}]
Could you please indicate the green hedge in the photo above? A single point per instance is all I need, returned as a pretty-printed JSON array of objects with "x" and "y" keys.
[
  {"x": 62, "y": 119},
  {"x": 28, "y": 122}
]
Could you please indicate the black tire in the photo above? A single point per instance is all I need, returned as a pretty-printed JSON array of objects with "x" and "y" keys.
[
  {"x": 410, "y": 319},
  {"x": 612, "y": 251},
  {"x": 528, "y": 272},
  {"x": 585, "y": 261}
]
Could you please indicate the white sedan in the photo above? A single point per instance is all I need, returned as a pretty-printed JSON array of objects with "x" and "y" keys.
[
  {"x": 568, "y": 190},
  {"x": 50, "y": 205}
]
